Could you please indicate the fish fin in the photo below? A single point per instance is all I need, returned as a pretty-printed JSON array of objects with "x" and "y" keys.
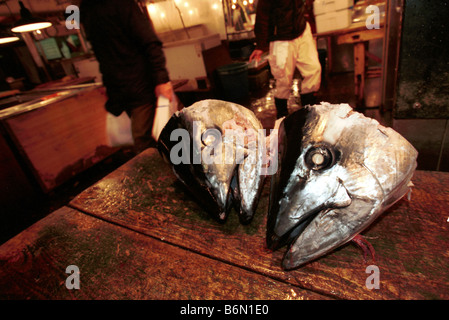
[
  {"x": 340, "y": 198},
  {"x": 366, "y": 247}
]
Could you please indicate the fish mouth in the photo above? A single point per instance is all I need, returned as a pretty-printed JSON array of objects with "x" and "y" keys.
[
  {"x": 312, "y": 228},
  {"x": 275, "y": 241},
  {"x": 301, "y": 251}
]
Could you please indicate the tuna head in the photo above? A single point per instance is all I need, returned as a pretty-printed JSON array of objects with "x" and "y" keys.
[
  {"x": 337, "y": 172},
  {"x": 213, "y": 148}
]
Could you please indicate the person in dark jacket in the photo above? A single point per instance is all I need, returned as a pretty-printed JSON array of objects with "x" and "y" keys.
[
  {"x": 131, "y": 61},
  {"x": 282, "y": 29}
]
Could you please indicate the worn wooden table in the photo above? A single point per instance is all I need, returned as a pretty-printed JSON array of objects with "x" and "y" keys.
[{"x": 138, "y": 234}]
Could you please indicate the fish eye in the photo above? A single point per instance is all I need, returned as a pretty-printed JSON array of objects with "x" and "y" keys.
[
  {"x": 319, "y": 158},
  {"x": 211, "y": 137}
]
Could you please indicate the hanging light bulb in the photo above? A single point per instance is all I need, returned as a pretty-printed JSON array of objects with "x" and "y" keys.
[
  {"x": 6, "y": 37},
  {"x": 28, "y": 22}
]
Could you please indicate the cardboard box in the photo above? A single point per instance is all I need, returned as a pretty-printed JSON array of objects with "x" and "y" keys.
[
  {"x": 335, "y": 20},
  {"x": 325, "y": 6}
]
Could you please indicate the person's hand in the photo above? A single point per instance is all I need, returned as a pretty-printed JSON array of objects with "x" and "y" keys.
[
  {"x": 165, "y": 89},
  {"x": 256, "y": 55}
]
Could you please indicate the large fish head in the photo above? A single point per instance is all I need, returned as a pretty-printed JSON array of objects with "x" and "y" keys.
[
  {"x": 338, "y": 171},
  {"x": 218, "y": 162}
]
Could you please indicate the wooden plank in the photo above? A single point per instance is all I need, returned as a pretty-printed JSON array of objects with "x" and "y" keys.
[
  {"x": 410, "y": 239},
  {"x": 354, "y": 27},
  {"x": 116, "y": 263},
  {"x": 64, "y": 138},
  {"x": 4, "y": 94},
  {"x": 361, "y": 36}
]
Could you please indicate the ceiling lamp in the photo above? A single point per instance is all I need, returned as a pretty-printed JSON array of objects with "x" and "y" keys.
[
  {"x": 6, "y": 37},
  {"x": 28, "y": 22}
]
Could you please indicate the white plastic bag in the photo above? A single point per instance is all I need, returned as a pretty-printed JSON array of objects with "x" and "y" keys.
[
  {"x": 164, "y": 110},
  {"x": 118, "y": 130}
]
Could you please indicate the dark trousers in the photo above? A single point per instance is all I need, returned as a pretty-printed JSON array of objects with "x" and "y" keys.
[{"x": 142, "y": 118}]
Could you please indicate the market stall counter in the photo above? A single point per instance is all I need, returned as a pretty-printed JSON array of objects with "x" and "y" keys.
[{"x": 52, "y": 133}]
